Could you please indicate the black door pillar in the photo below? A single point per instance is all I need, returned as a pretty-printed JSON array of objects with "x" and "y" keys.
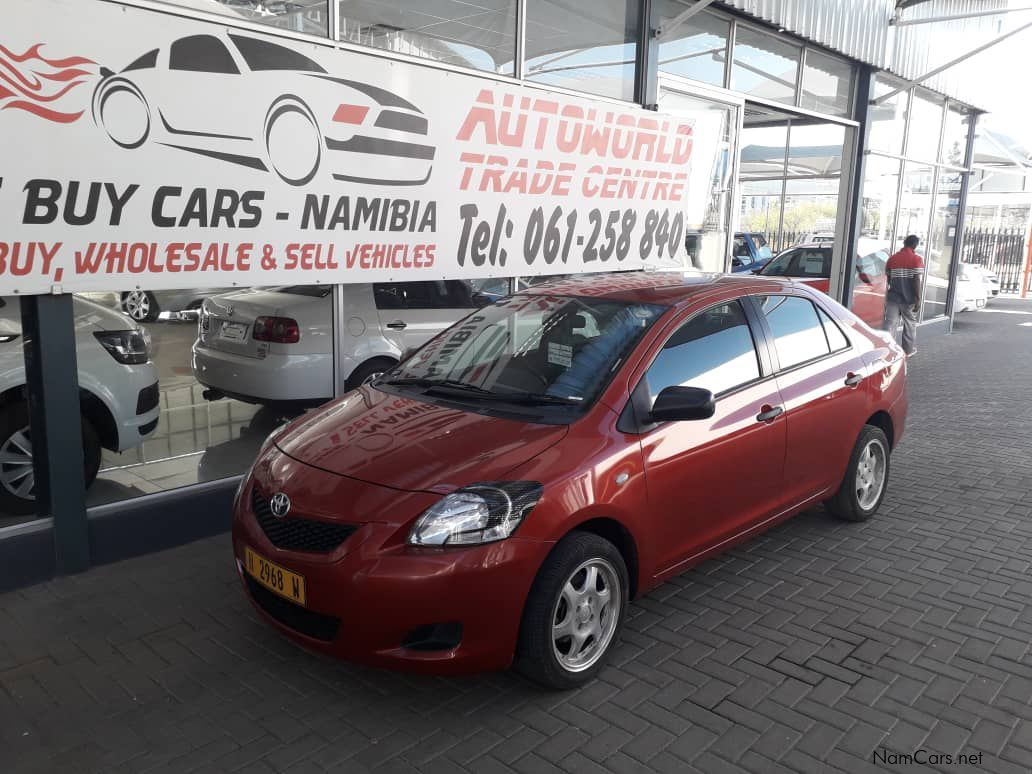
[{"x": 52, "y": 388}]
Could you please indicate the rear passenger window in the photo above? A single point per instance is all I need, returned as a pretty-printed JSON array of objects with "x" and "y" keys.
[
  {"x": 443, "y": 294},
  {"x": 714, "y": 351},
  {"x": 836, "y": 338},
  {"x": 798, "y": 333}
]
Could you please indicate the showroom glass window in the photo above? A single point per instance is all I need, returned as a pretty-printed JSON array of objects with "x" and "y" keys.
[
  {"x": 888, "y": 119},
  {"x": 713, "y": 351},
  {"x": 695, "y": 48},
  {"x": 588, "y": 47},
  {"x": 308, "y": 16},
  {"x": 954, "y": 137},
  {"x": 764, "y": 66},
  {"x": 762, "y": 175},
  {"x": 710, "y": 181},
  {"x": 827, "y": 84},
  {"x": 924, "y": 132},
  {"x": 479, "y": 35},
  {"x": 798, "y": 332},
  {"x": 941, "y": 238}
]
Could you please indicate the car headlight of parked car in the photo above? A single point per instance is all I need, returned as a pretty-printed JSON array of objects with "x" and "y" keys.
[
  {"x": 127, "y": 347},
  {"x": 479, "y": 513}
]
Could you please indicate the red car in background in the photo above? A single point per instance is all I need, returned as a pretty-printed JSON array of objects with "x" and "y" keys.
[
  {"x": 503, "y": 494},
  {"x": 811, "y": 263}
]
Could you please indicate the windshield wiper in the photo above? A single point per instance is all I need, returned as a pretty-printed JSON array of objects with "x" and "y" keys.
[
  {"x": 422, "y": 381},
  {"x": 474, "y": 391}
]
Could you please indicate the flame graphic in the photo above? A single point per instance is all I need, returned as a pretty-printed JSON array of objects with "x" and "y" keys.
[{"x": 33, "y": 83}]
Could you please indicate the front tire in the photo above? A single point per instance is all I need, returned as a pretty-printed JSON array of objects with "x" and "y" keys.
[
  {"x": 293, "y": 141},
  {"x": 574, "y": 612},
  {"x": 17, "y": 477},
  {"x": 867, "y": 476},
  {"x": 140, "y": 305}
]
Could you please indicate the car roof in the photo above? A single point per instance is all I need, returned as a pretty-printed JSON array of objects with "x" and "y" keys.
[{"x": 667, "y": 288}]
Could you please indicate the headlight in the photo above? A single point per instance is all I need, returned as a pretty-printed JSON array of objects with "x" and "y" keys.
[
  {"x": 127, "y": 347},
  {"x": 479, "y": 513}
]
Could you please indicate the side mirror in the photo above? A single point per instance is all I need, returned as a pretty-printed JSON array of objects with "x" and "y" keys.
[
  {"x": 736, "y": 261},
  {"x": 677, "y": 404},
  {"x": 480, "y": 300}
]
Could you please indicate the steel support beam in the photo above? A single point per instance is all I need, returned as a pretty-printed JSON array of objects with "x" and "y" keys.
[
  {"x": 864, "y": 89},
  {"x": 958, "y": 240},
  {"x": 668, "y": 29},
  {"x": 951, "y": 63},
  {"x": 52, "y": 387},
  {"x": 646, "y": 61}
]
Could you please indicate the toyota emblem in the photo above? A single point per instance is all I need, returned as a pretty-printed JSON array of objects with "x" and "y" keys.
[{"x": 280, "y": 505}]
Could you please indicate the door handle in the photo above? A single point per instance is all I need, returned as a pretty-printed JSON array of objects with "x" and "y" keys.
[
  {"x": 770, "y": 413},
  {"x": 852, "y": 380},
  {"x": 397, "y": 325}
]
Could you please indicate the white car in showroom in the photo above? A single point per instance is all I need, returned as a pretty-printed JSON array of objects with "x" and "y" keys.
[
  {"x": 118, "y": 395},
  {"x": 275, "y": 345},
  {"x": 972, "y": 290}
]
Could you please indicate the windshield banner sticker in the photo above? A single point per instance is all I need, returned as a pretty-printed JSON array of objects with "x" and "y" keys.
[{"x": 143, "y": 149}]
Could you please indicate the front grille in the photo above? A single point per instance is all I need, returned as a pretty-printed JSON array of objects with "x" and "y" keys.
[
  {"x": 306, "y": 622},
  {"x": 147, "y": 399},
  {"x": 296, "y": 534}
]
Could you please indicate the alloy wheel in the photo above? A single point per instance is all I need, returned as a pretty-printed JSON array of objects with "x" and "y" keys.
[
  {"x": 137, "y": 305},
  {"x": 870, "y": 474},
  {"x": 16, "y": 473},
  {"x": 586, "y": 615}
]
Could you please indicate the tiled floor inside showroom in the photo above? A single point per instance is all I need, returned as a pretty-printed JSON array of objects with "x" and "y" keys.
[{"x": 806, "y": 649}]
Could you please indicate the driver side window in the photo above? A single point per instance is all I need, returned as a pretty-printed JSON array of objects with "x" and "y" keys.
[
  {"x": 201, "y": 54},
  {"x": 714, "y": 351}
]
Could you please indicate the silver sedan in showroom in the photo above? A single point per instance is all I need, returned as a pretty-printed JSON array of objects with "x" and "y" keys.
[{"x": 275, "y": 345}]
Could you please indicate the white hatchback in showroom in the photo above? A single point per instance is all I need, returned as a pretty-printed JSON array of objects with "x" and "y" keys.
[
  {"x": 118, "y": 395},
  {"x": 275, "y": 345}
]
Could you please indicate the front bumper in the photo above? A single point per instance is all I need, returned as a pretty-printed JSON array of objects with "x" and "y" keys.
[{"x": 367, "y": 599}]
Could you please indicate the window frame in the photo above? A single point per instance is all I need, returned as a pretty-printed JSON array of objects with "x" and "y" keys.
[{"x": 769, "y": 334}]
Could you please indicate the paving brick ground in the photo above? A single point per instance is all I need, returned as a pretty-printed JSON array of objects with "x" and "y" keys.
[{"x": 807, "y": 649}]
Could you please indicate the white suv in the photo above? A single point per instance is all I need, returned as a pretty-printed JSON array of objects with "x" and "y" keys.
[
  {"x": 275, "y": 346},
  {"x": 118, "y": 395}
]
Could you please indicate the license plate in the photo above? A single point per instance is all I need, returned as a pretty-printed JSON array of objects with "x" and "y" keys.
[
  {"x": 280, "y": 580},
  {"x": 233, "y": 331}
]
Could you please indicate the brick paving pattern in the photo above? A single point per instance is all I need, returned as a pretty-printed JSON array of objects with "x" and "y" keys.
[{"x": 806, "y": 649}]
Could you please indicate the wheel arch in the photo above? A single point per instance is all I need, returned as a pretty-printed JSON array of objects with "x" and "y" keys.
[
  {"x": 616, "y": 533},
  {"x": 883, "y": 421},
  {"x": 91, "y": 407},
  {"x": 387, "y": 360}
]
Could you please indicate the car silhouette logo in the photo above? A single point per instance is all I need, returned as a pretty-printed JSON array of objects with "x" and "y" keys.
[
  {"x": 284, "y": 113},
  {"x": 280, "y": 505}
]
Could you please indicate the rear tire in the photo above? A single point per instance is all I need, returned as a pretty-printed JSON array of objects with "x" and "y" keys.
[
  {"x": 369, "y": 370},
  {"x": 867, "y": 477},
  {"x": 17, "y": 479},
  {"x": 570, "y": 623}
]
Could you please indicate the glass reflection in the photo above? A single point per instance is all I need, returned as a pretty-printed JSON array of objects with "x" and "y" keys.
[
  {"x": 696, "y": 48},
  {"x": 764, "y": 66}
]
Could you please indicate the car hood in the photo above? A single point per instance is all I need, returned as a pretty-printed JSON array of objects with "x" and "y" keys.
[
  {"x": 410, "y": 445},
  {"x": 90, "y": 316}
]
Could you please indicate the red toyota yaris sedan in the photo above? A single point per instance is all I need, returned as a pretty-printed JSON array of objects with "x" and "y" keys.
[{"x": 504, "y": 493}]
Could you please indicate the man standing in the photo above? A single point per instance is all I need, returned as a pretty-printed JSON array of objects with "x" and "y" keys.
[{"x": 904, "y": 270}]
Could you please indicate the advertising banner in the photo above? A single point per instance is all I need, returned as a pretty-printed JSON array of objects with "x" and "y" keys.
[{"x": 147, "y": 150}]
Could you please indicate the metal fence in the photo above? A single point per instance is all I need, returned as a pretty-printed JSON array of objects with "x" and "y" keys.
[
  {"x": 1001, "y": 251},
  {"x": 783, "y": 241}
]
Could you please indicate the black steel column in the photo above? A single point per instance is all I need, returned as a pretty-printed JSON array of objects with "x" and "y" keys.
[
  {"x": 861, "y": 114},
  {"x": 52, "y": 387},
  {"x": 958, "y": 239},
  {"x": 646, "y": 60}
]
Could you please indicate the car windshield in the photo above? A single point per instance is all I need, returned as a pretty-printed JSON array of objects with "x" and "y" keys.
[{"x": 529, "y": 353}]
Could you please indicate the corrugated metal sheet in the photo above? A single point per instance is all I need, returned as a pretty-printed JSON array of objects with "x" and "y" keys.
[{"x": 860, "y": 29}]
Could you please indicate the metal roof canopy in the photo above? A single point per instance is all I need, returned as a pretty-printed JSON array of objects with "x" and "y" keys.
[{"x": 953, "y": 62}]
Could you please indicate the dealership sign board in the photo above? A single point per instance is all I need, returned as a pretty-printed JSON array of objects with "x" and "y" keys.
[{"x": 142, "y": 149}]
